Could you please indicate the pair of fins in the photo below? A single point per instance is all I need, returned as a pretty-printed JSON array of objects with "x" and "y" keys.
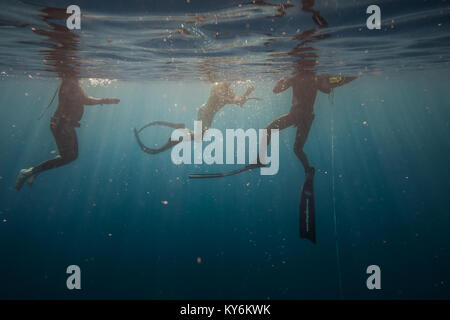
[{"x": 307, "y": 207}]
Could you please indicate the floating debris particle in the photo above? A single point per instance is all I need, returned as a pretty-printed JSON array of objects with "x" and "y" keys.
[
  {"x": 199, "y": 260},
  {"x": 164, "y": 202}
]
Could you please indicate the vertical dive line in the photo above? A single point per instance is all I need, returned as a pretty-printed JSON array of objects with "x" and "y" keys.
[{"x": 338, "y": 263}]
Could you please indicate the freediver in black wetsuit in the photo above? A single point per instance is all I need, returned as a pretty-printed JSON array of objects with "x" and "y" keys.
[
  {"x": 69, "y": 112},
  {"x": 72, "y": 97}
]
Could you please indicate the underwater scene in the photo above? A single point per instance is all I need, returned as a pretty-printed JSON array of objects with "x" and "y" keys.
[{"x": 203, "y": 149}]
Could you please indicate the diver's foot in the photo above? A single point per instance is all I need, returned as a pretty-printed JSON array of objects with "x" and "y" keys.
[{"x": 23, "y": 176}]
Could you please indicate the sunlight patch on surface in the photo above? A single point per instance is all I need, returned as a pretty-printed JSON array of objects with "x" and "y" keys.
[{"x": 99, "y": 82}]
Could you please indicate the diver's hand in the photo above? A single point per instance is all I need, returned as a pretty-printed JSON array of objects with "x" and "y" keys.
[
  {"x": 245, "y": 97},
  {"x": 249, "y": 91},
  {"x": 243, "y": 101},
  {"x": 282, "y": 85},
  {"x": 111, "y": 101}
]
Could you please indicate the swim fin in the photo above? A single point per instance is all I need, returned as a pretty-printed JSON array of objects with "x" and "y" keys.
[
  {"x": 164, "y": 124},
  {"x": 31, "y": 179},
  {"x": 141, "y": 145},
  {"x": 22, "y": 177},
  {"x": 224, "y": 174},
  {"x": 307, "y": 209}
]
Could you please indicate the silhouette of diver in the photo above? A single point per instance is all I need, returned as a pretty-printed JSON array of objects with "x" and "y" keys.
[
  {"x": 221, "y": 94},
  {"x": 72, "y": 97}
]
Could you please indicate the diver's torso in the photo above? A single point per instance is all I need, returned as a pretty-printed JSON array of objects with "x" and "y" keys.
[
  {"x": 304, "y": 92},
  {"x": 70, "y": 105},
  {"x": 218, "y": 98}
]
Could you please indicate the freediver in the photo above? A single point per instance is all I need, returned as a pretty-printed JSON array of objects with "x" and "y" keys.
[
  {"x": 221, "y": 94},
  {"x": 69, "y": 112},
  {"x": 62, "y": 59}
]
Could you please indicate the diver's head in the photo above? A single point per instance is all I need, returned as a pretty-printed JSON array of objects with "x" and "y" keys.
[
  {"x": 70, "y": 78},
  {"x": 223, "y": 84},
  {"x": 227, "y": 84},
  {"x": 305, "y": 66}
]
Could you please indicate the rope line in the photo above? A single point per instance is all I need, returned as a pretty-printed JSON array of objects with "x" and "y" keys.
[{"x": 336, "y": 238}]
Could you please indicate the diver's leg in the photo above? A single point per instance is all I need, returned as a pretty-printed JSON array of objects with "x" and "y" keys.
[
  {"x": 67, "y": 143},
  {"x": 281, "y": 123},
  {"x": 303, "y": 128}
]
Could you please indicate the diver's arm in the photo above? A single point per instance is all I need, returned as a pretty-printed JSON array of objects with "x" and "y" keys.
[
  {"x": 240, "y": 101},
  {"x": 91, "y": 101},
  {"x": 282, "y": 85},
  {"x": 326, "y": 83}
]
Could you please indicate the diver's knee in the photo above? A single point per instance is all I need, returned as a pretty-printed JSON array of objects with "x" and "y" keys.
[
  {"x": 70, "y": 157},
  {"x": 73, "y": 156},
  {"x": 298, "y": 147}
]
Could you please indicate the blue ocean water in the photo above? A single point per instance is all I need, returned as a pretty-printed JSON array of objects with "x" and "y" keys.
[{"x": 140, "y": 229}]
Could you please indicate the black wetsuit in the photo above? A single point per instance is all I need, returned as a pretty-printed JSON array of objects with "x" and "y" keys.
[{"x": 62, "y": 124}]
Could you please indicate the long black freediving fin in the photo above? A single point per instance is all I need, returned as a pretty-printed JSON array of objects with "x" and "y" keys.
[
  {"x": 307, "y": 209},
  {"x": 157, "y": 123},
  {"x": 224, "y": 174}
]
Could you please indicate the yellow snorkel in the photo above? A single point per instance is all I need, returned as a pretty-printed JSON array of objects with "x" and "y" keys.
[{"x": 334, "y": 80}]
